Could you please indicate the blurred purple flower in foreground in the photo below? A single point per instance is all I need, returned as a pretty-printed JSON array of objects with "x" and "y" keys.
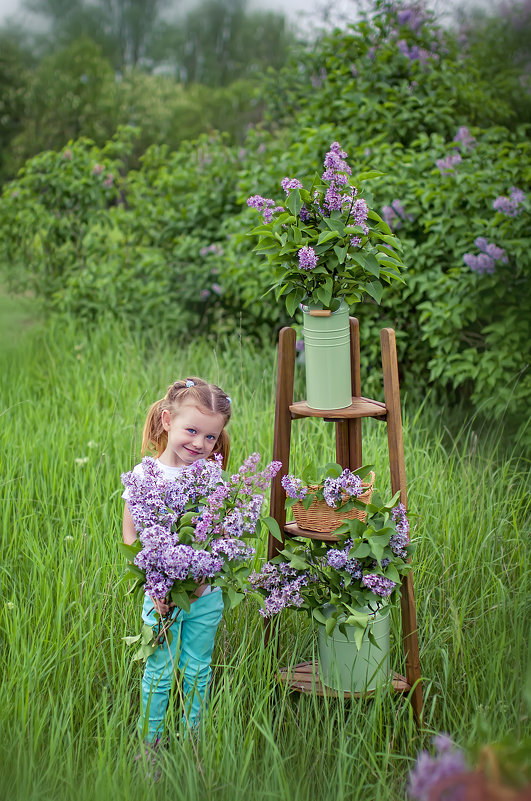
[{"x": 430, "y": 770}]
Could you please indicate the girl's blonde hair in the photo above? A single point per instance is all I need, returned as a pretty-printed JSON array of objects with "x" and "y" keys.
[{"x": 207, "y": 397}]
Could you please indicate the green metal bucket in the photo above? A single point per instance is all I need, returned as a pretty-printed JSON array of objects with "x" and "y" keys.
[
  {"x": 343, "y": 667},
  {"x": 327, "y": 358}
]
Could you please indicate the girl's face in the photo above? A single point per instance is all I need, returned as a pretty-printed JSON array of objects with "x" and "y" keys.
[{"x": 192, "y": 434}]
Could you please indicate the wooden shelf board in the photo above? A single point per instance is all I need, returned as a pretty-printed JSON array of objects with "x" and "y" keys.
[
  {"x": 360, "y": 407},
  {"x": 304, "y": 678},
  {"x": 294, "y": 531}
]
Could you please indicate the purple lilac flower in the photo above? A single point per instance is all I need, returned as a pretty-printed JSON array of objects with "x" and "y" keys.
[
  {"x": 234, "y": 549},
  {"x": 215, "y": 248},
  {"x": 229, "y": 509},
  {"x": 288, "y": 184},
  {"x": 333, "y": 199},
  {"x": 410, "y": 17},
  {"x": 346, "y": 484},
  {"x": 336, "y": 558},
  {"x": 484, "y": 262},
  {"x": 510, "y": 206},
  {"x": 430, "y": 770},
  {"x": 496, "y": 253},
  {"x": 307, "y": 258},
  {"x": 264, "y": 205},
  {"x": 447, "y": 165},
  {"x": 400, "y": 540},
  {"x": 334, "y": 162},
  {"x": 282, "y": 585},
  {"x": 304, "y": 214},
  {"x": 379, "y": 585},
  {"x": 360, "y": 213},
  {"x": 465, "y": 138},
  {"x": 391, "y": 218},
  {"x": 294, "y": 487},
  {"x": 332, "y": 492},
  {"x": 354, "y": 568},
  {"x": 394, "y": 214},
  {"x": 299, "y": 345}
]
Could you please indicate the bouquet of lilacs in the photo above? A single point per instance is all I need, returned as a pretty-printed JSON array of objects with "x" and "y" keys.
[
  {"x": 324, "y": 242},
  {"x": 357, "y": 574},
  {"x": 194, "y": 529}
]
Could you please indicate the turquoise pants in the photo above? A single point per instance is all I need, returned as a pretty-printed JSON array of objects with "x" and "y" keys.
[{"x": 189, "y": 655}]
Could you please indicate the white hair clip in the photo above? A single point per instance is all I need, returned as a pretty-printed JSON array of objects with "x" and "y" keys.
[
  {"x": 229, "y": 399},
  {"x": 190, "y": 383}
]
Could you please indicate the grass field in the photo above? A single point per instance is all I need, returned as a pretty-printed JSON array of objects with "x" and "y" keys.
[{"x": 72, "y": 408}]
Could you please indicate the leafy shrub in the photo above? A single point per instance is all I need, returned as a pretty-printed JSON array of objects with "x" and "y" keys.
[{"x": 167, "y": 245}]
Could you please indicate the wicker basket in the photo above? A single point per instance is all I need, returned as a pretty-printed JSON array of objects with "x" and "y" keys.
[{"x": 321, "y": 517}]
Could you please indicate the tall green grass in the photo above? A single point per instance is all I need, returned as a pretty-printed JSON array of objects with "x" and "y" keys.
[{"x": 72, "y": 409}]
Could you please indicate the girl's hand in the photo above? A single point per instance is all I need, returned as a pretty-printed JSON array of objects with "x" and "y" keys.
[{"x": 162, "y": 607}]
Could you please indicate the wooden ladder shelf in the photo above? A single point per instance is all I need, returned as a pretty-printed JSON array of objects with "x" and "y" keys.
[{"x": 305, "y": 677}]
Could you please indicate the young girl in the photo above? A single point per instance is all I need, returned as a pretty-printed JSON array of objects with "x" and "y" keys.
[{"x": 186, "y": 425}]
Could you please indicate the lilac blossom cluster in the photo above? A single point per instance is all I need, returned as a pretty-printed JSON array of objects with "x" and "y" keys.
[
  {"x": 395, "y": 214},
  {"x": 288, "y": 184},
  {"x": 338, "y": 559},
  {"x": 431, "y": 770},
  {"x": 379, "y": 585},
  {"x": 398, "y": 541},
  {"x": 282, "y": 585},
  {"x": 465, "y": 138},
  {"x": 485, "y": 261},
  {"x": 265, "y": 206},
  {"x": 222, "y": 512},
  {"x": 411, "y": 16},
  {"x": 214, "y": 249},
  {"x": 153, "y": 498},
  {"x": 336, "y": 490},
  {"x": 510, "y": 206},
  {"x": 414, "y": 53},
  {"x": 294, "y": 487},
  {"x": 307, "y": 258},
  {"x": 448, "y": 164}
]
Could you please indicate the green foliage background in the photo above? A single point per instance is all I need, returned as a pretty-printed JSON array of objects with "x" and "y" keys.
[{"x": 159, "y": 240}]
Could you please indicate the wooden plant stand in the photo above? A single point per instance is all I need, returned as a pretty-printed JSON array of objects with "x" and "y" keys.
[{"x": 305, "y": 677}]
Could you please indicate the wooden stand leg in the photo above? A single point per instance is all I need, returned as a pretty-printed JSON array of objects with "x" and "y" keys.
[
  {"x": 281, "y": 443},
  {"x": 398, "y": 484},
  {"x": 282, "y": 431},
  {"x": 348, "y": 432}
]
